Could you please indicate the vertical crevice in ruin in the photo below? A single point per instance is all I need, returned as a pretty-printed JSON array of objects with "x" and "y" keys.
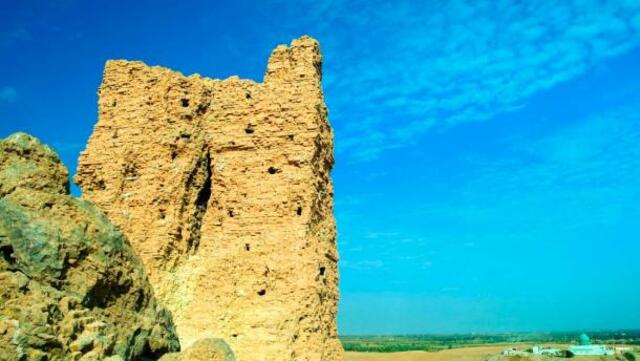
[
  {"x": 200, "y": 206},
  {"x": 197, "y": 188}
]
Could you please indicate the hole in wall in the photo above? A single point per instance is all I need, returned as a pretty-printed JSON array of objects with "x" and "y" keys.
[
  {"x": 99, "y": 184},
  {"x": 234, "y": 335},
  {"x": 163, "y": 214},
  {"x": 322, "y": 270},
  {"x": 249, "y": 129},
  {"x": 184, "y": 102},
  {"x": 299, "y": 211},
  {"x": 202, "y": 108},
  {"x": 273, "y": 170},
  {"x": 231, "y": 213},
  {"x": 130, "y": 170},
  {"x": 290, "y": 136},
  {"x": 173, "y": 150},
  {"x": 247, "y": 247},
  {"x": 7, "y": 254},
  {"x": 248, "y": 95},
  {"x": 262, "y": 292}
]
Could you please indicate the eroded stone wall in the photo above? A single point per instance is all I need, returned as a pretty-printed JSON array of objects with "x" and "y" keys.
[{"x": 223, "y": 188}]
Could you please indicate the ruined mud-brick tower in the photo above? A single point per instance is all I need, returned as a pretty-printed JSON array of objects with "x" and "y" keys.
[{"x": 223, "y": 188}]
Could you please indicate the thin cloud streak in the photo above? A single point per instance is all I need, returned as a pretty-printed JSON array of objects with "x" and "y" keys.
[{"x": 479, "y": 59}]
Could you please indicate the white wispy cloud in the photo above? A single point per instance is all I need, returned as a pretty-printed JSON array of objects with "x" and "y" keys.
[
  {"x": 362, "y": 265},
  {"x": 580, "y": 177},
  {"x": 8, "y": 94},
  {"x": 571, "y": 184},
  {"x": 397, "y": 69},
  {"x": 376, "y": 235},
  {"x": 598, "y": 152}
]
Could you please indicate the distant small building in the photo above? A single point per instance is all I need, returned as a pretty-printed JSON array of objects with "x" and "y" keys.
[
  {"x": 591, "y": 350},
  {"x": 513, "y": 352},
  {"x": 587, "y": 349},
  {"x": 622, "y": 349},
  {"x": 552, "y": 351}
]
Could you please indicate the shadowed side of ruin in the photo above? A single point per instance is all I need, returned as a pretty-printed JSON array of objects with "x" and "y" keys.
[{"x": 223, "y": 188}]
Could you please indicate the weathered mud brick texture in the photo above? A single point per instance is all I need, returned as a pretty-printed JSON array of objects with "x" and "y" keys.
[{"x": 223, "y": 188}]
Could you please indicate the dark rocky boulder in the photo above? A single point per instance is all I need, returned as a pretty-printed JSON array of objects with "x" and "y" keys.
[{"x": 71, "y": 288}]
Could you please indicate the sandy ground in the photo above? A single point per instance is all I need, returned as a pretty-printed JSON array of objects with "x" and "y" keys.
[
  {"x": 460, "y": 354},
  {"x": 480, "y": 353}
]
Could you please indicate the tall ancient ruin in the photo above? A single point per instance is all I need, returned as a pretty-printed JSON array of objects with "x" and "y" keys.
[{"x": 223, "y": 189}]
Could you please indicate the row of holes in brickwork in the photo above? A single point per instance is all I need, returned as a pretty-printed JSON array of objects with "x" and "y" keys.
[
  {"x": 250, "y": 130},
  {"x": 263, "y": 291},
  {"x": 230, "y": 212},
  {"x": 185, "y": 101}
]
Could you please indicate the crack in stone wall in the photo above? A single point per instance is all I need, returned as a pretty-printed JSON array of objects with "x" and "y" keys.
[
  {"x": 224, "y": 189},
  {"x": 201, "y": 205}
]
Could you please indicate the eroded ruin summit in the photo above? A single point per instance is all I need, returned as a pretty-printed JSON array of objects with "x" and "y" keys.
[{"x": 223, "y": 189}]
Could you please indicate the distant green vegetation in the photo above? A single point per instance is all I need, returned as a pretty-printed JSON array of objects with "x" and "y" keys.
[{"x": 441, "y": 342}]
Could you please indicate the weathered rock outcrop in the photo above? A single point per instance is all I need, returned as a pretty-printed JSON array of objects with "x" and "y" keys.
[
  {"x": 206, "y": 349},
  {"x": 223, "y": 188},
  {"x": 71, "y": 287}
]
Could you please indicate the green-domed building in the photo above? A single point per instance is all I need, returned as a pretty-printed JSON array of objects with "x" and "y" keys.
[
  {"x": 585, "y": 348},
  {"x": 585, "y": 340}
]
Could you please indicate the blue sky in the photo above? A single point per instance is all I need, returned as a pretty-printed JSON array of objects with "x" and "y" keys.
[{"x": 488, "y": 152}]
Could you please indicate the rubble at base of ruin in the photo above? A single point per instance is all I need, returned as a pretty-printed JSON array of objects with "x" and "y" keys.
[{"x": 223, "y": 188}]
